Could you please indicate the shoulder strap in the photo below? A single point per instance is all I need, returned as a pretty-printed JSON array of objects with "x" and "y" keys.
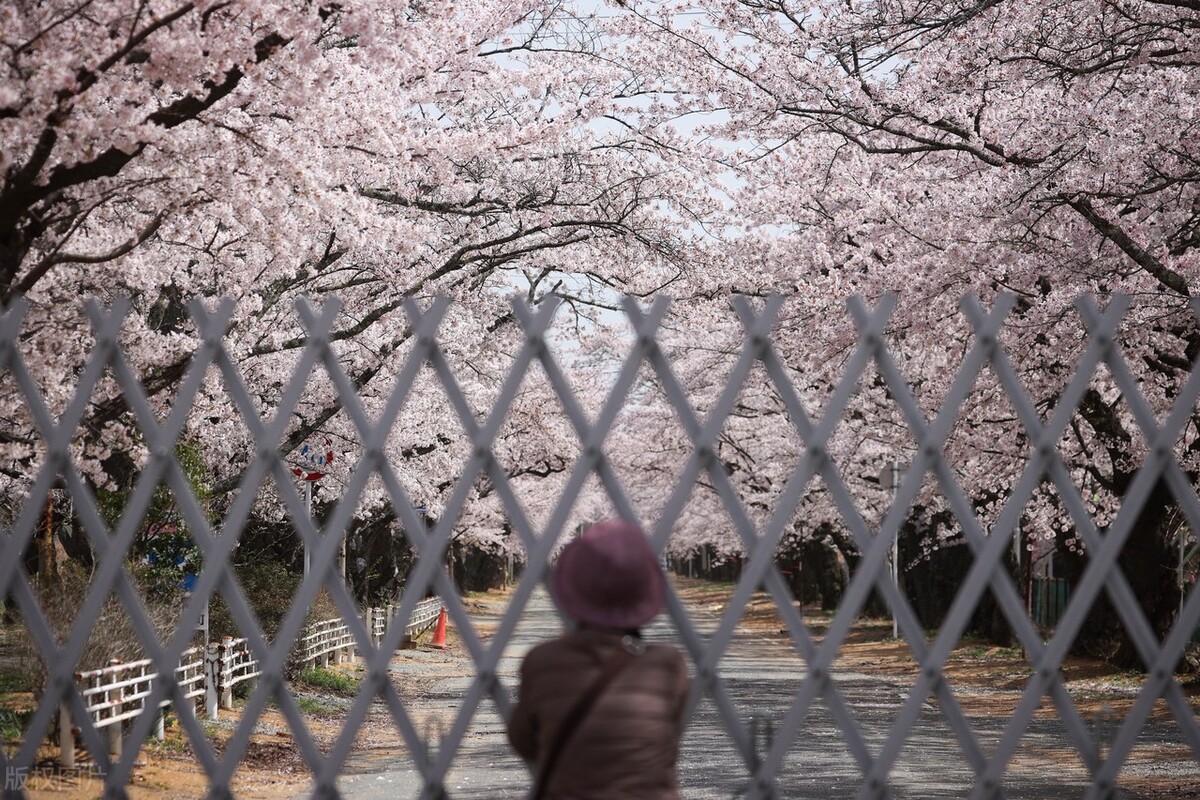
[{"x": 571, "y": 721}]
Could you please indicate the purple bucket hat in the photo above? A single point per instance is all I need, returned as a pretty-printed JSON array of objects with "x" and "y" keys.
[{"x": 610, "y": 577}]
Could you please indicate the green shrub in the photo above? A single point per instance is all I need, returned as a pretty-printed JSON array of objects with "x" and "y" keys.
[
  {"x": 335, "y": 682},
  {"x": 15, "y": 679},
  {"x": 12, "y": 724},
  {"x": 311, "y": 706},
  {"x": 164, "y": 552},
  {"x": 268, "y": 587}
]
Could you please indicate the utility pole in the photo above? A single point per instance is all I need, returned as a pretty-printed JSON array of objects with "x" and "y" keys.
[
  {"x": 889, "y": 477},
  {"x": 895, "y": 547}
]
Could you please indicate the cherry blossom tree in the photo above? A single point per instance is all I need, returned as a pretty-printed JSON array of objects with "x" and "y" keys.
[
  {"x": 371, "y": 152},
  {"x": 937, "y": 149},
  {"x": 819, "y": 149}
]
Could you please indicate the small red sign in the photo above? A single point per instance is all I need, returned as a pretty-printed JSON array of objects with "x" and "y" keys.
[{"x": 311, "y": 458}]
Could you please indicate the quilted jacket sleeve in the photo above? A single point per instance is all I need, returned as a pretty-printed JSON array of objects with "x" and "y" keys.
[{"x": 522, "y": 726}]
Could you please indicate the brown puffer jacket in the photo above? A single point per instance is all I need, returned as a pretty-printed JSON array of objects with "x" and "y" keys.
[{"x": 627, "y": 744}]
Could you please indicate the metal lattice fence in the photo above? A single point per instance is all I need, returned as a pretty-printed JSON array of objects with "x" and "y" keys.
[{"x": 872, "y": 763}]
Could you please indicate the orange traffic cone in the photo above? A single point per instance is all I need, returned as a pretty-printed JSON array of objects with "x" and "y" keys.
[{"x": 439, "y": 630}]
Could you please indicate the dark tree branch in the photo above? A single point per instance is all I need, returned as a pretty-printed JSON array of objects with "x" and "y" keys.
[{"x": 1114, "y": 233}]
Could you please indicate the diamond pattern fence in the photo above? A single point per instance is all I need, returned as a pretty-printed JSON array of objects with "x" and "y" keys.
[{"x": 873, "y": 764}]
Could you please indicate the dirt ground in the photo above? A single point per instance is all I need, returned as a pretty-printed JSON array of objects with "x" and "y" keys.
[
  {"x": 272, "y": 767},
  {"x": 975, "y": 671},
  {"x": 1094, "y": 686}
]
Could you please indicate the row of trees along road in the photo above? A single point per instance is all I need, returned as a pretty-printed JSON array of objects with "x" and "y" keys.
[{"x": 376, "y": 151}]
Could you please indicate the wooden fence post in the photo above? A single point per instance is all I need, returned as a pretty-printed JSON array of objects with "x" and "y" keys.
[
  {"x": 115, "y": 707},
  {"x": 251, "y": 683},
  {"x": 160, "y": 715},
  {"x": 66, "y": 737},
  {"x": 212, "y": 665},
  {"x": 225, "y": 685}
]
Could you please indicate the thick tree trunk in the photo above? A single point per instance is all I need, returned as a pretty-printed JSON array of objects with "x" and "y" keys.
[
  {"x": 479, "y": 570},
  {"x": 821, "y": 574},
  {"x": 848, "y": 548},
  {"x": 1148, "y": 559},
  {"x": 47, "y": 549}
]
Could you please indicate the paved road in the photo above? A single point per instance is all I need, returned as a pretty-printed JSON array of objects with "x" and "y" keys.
[{"x": 762, "y": 675}]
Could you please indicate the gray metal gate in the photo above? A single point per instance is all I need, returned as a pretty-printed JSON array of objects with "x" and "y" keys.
[{"x": 758, "y": 352}]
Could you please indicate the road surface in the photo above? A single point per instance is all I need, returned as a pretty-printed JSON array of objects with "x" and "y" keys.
[{"x": 761, "y": 675}]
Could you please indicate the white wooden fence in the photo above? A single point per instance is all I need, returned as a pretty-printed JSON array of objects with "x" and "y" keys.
[
  {"x": 323, "y": 640},
  {"x": 226, "y": 665},
  {"x": 118, "y": 692},
  {"x": 424, "y": 615},
  {"x": 331, "y": 639}
]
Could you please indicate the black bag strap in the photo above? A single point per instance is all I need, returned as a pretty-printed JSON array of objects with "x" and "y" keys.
[{"x": 629, "y": 648}]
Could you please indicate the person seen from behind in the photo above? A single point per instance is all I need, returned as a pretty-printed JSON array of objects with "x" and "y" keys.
[{"x": 599, "y": 711}]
